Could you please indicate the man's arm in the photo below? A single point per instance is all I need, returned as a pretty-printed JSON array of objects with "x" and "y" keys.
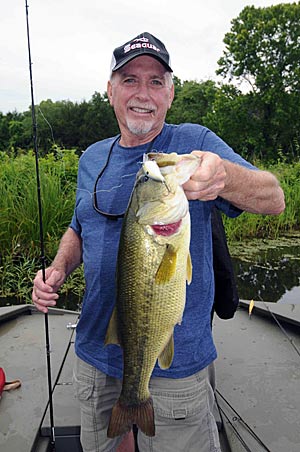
[
  {"x": 250, "y": 190},
  {"x": 69, "y": 254},
  {"x": 68, "y": 258},
  {"x": 253, "y": 191}
]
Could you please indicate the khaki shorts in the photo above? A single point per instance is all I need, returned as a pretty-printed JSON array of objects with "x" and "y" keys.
[{"x": 183, "y": 412}]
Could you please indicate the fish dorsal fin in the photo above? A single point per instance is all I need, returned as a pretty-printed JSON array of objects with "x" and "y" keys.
[
  {"x": 166, "y": 357},
  {"x": 167, "y": 267},
  {"x": 111, "y": 336},
  {"x": 189, "y": 269},
  {"x": 186, "y": 167}
]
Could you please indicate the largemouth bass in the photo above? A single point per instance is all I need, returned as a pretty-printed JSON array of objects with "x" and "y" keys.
[{"x": 152, "y": 269}]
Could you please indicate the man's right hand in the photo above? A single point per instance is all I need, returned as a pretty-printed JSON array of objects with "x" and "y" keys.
[{"x": 44, "y": 294}]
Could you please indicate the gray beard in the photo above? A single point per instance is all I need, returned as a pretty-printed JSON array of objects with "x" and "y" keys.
[{"x": 141, "y": 129}]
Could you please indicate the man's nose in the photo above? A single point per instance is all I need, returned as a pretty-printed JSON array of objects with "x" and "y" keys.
[{"x": 143, "y": 88}]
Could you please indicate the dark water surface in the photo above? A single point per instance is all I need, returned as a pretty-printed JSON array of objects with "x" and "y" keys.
[{"x": 268, "y": 271}]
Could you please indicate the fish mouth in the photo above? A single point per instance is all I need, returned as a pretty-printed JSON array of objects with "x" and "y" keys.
[{"x": 166, "y": 229}]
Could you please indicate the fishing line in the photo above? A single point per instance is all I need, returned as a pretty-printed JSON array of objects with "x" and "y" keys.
[
  {"x": 107, "y": 190},
  {"x": 115, "y": 187},
  {"x": 42, "y": 248},
  {"x": 48, "y": 123},
  {"x": 280, "y": 326}
]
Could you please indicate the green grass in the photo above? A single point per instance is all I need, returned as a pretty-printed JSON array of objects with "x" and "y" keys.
[
  {"x": 248, "y": 225},
  {"x": 19, "y": 220}
]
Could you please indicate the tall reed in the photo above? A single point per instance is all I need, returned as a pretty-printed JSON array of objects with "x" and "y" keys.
[
  {"x": 19, "y": 225},
  {"x": 248, "y": 225},
  {"x": 19, "y": 221}
]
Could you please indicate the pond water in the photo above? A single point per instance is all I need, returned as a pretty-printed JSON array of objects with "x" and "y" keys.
[{"x": 268, "y": 270}]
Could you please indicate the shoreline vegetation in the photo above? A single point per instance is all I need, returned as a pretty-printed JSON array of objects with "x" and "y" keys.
[{"x": 19, "y": 222}]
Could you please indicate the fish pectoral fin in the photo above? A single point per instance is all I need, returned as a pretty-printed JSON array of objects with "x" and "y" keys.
[
  {"x": 111, "y": 336},
  {"x": 189, "y": 269},
  {"x": 167, "y": 267},
  {"x": 166, "y": 357}
]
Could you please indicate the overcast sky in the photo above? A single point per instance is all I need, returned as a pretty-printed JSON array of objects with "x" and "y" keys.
[{"x": 72, "y": 42}]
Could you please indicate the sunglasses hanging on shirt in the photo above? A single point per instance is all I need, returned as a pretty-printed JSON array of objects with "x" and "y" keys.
[{"x": 110, "y": 216}]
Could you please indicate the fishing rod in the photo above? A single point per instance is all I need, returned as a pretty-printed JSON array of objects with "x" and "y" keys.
[
  {"x": 42, "y": 247},
  {"x": 233, "y": 419}
]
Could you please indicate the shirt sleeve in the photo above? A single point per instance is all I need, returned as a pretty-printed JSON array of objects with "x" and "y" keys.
[
  {"x": 75, "y": 224},
  {"x": 212, "y": 143},
  {"x": 226, "y": 207}
]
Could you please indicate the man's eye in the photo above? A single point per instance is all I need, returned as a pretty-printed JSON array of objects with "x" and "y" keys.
[
  {"x": 156, "y": 82},
  {"x": 129, "y": 81}
]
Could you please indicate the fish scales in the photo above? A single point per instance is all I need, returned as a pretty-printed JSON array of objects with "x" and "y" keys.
[
  {"x": 146, "y": 329},
  {"x": 152, "y": 269}
]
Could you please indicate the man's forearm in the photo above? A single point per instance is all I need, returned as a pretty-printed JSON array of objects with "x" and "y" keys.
[
  {"x": 253, "y": 191},
  {"x": 69, "y": 254}
]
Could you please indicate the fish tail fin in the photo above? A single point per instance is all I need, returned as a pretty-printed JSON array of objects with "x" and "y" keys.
[
  {"x": 123, "y": 417},
  {"x": 144, "y": 417}
]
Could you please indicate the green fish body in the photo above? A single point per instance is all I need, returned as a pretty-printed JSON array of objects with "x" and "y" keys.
[{"x": 152, "y": 269}]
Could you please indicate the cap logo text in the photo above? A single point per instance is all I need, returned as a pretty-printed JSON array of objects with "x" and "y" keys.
[{"x": 140, "y": 45}]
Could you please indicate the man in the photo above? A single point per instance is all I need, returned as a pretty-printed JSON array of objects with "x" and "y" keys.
[{"x": 141, "y": 91}]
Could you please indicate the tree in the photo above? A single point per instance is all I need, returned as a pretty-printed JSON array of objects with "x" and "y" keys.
[
  {"x": 263, "y": 49},
  {"x": 192, "y": 101},
  {"x": 12, "y": 133},
  {"x": 59, "y": 123},
  {"x": 4, "y": 132},
  {"x": 98, "y": 122},
  {"x": 235, "y": 117}
]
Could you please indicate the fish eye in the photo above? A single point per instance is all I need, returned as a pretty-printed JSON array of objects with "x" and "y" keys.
[{"x": 143, "y": 178}]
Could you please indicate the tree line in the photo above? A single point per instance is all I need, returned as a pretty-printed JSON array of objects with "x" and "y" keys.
[{"x": 255, "y": 108}]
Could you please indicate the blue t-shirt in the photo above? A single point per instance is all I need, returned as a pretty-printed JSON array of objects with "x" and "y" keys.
[{"x": 194, "y": 347}]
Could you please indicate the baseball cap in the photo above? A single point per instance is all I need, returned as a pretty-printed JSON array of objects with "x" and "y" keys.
[{"x": 143, "y": 44}]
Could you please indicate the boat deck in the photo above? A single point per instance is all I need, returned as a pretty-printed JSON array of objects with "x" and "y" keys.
[
  {"x": 258, "y": 380},
  {"x": 258, "y": 377},
  {"x": 23, "y": 355}
]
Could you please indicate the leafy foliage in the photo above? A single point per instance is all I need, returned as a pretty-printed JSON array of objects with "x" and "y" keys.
[
  {"x": 263, "y": 49},
  {"x": 193, "y": 101},
  {"x": 63, "y": 123},
  {"x": 19, "y": 223},
  {"x": 263, "y": 124}
]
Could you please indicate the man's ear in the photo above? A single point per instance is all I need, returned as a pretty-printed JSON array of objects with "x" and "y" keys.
[
  {"x": 109, "y": 92},
  {"x": 172, "y": 93}
]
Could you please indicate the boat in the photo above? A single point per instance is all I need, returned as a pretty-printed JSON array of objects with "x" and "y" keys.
[
  {"x": 24, "y": 412},
  {"x": 257, "y": 394},
  {"x": 258, "y": 377}
]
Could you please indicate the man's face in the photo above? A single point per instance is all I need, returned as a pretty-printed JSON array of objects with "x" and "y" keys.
[{"x": 141, "y": 92}]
